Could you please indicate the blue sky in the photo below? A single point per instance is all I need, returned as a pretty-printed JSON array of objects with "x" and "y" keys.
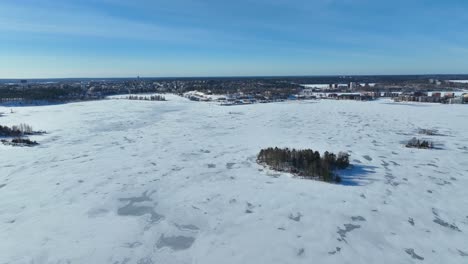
[{"x": 124, "y": 38}]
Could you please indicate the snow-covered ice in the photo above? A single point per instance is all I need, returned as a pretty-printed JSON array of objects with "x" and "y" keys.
[{"x": 119, "y": 181}]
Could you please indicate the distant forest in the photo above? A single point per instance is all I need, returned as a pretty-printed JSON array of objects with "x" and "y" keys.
[
  {"x": 40, "y": 93},
  {"x": 305, "y": 163},
  {"x": 146, "y": 98}
]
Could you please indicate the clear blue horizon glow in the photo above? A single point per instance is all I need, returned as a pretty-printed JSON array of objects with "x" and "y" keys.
[{"x": 176, "y": 38}]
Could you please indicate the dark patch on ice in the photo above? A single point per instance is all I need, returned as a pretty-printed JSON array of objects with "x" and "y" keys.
[
  {"x": 443, "y": 223},
  {"x": 444, "y": 182},
  {"x": 124, "y": 261},
  {"x": 146, "y": 260},
  {"x": 229, "y": 165},
  {"x": 205, "y": 151},
  {"x": 337, "y": 250},
  {"x": 133, "y": 244},
  {"x": 187, "y": 227},
  {"x": 348, "y": 228},
  {"x": 300, "y": 252},
  {"x": 358, "y": 218},
  {"x": 389, "y": 176},
  {"x": 429, "y": 191},
  {"x": 357, "y": 161},
  {"x": 274, "y": 175},
  {"x": 411, "y": 252},
  {"x": 97, "y": 212},
  {"x": 211, "y": 165},
  {"x": 395, "y": 163},
  {"x": 411, "y": 221},
  {"x": 462, "y": 253},
  {"x": 250, "y": 208},
  {"x": 2, "y": 185},
  {"x": 367, "y": 157},
  {"x": 432, "y": 165},
  {"x": 176, "y": 168},
  {"x": 446, "y": 224},
  {"x": 175, "y": 242},
  {"x": 281, "y": 228},
  {"x": 143, "y": 198},
  {"x": 135, "y": 210},
  {"x": 363, "y": 196},
  {"x": 296, "y": 218}
]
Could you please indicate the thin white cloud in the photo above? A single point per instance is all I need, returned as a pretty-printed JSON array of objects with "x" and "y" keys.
[{"x": 89, "y": 24}]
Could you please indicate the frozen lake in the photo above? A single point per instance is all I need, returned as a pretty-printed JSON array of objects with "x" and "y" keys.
[{"x": 121, "y": 181}]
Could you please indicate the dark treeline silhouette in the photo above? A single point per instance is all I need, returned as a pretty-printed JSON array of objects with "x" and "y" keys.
[
  {"x": 20, "y": 142},
  {"x": 417, "y": 143},
  {"x": 40, "y": 93},
  {"x": 305, "y": 163},
  {"x": 146, "y": 98},
  {"x": 9, "y": 132},
  {"x": 16, "y": 131}
]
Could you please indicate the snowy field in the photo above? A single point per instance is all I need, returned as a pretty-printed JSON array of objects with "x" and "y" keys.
[{"x": 120, "y": 181}]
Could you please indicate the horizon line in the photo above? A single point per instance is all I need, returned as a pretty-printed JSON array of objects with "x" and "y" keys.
[{"x": 236, "y": 76}]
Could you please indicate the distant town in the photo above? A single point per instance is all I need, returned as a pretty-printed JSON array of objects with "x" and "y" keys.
[{"x": 446, "y": 89}]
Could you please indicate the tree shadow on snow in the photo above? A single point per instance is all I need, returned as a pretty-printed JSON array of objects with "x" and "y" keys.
[{"x": 357, "y": 175}]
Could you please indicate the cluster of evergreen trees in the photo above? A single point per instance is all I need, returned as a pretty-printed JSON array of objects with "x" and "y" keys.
[
  {"x": 417, "y": 143},
  {"x": 16, "y": 131},
  {"x": 9, "y": 132},
  {"x": 306, "y": 163},
  {"x": 40, "y": 93},
  {"x": 147, "y": 98},
  {"x": 20, "y": 142}
]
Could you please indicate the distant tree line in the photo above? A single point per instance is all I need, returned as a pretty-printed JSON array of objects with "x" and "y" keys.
[
  {"x": 421, "y": 144},
  {"x": 146, "y": 98},
  {"x": 305, "y": 163},
  {"x": 40, "y": 93}
]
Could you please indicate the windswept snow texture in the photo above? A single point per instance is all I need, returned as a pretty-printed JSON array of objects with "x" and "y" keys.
[{"x": 121, "y": 181}]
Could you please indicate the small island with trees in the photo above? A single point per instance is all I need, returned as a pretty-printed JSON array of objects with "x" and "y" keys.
[
  {"x": 305, "y": 163},
  {"x": 19, "y": 135},
  {"x": 420, "y": 144}
]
